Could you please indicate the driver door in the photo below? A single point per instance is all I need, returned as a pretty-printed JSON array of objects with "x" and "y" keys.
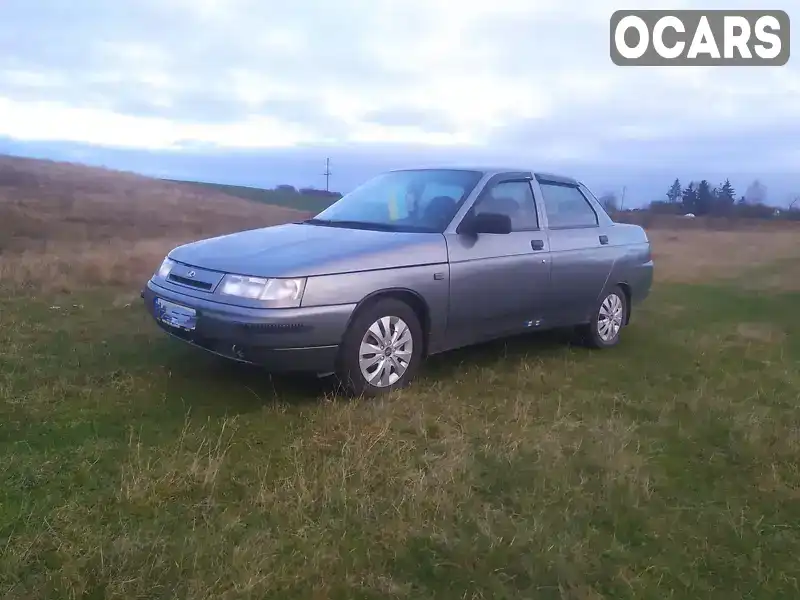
[{"x": 499, "y": 283}]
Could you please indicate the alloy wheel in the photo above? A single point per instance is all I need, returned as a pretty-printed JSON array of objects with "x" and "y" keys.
[
  {"x": 385, "y": 352},
  {"x": 609, "y": 319}
]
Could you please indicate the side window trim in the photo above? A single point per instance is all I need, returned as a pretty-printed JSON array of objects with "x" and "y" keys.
[
  {"x": 545, "y": 182},
  {"x": 486, "y": 190}
]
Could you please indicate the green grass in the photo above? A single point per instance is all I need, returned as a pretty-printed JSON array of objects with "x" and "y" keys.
[
  {"x": 298, "y": 201},
  {"x": 665, "y": 468}
]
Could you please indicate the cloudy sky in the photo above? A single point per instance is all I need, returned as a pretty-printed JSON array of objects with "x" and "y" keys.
[{"x": 200, "y": 86}]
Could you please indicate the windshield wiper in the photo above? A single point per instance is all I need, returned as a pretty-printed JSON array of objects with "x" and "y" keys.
[
  {"x": 371, "y": 225},
  {"x": 353, "y": 224}
]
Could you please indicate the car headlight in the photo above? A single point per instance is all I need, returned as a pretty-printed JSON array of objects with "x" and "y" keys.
[
  {"x": 277, "y": 292},
  {"x": 165, "y": 268}
]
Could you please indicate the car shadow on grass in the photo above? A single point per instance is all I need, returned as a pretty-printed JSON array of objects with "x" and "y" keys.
[
  {"x": 511, "y": 349},
  {"x": 221, "y": 385}
]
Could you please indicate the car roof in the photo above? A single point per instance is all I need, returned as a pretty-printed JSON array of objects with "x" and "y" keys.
[{"x": 486, "y": 170}]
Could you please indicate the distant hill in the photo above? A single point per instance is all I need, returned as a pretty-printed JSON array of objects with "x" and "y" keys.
[
  {"x": 305, "y": 199},
  {"x": 43, "y": 200},
  {"x": 65, "y": 224}
]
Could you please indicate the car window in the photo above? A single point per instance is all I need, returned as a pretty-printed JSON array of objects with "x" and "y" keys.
[
  {"x": 402, "y": 203},
  {"x": 566, "y": 206},
  {"x": 434, "y": 189},
  {"x": 512, "y": 198},
  {"x": 413, "y": 200}
]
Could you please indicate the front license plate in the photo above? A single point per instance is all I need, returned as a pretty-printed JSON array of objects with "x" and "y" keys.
[{"x": 175, "y": 315}]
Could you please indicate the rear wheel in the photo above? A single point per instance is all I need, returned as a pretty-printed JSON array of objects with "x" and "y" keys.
[
  {"x": 381, "y": 349},
  {"x": 603, "y": 331}
]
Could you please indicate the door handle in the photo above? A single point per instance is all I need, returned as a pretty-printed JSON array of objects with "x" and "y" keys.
[
  {"x": 537, "y": 244},
  {"x": 603, "y": 239}
]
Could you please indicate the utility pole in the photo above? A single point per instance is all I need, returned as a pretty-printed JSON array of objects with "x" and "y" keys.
[
  {"x": 622, "y": 201},
  {"x": 327, "y": 174}
]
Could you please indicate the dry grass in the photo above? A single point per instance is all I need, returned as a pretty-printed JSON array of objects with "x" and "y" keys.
[
  {"x": 698, "y": 255},
  {"x": 65, "y": 226},
  {"x": 69, "y": 266}
]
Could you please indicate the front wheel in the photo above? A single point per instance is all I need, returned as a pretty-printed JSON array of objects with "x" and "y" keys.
[
  {"x": 381, "y": 349},
  {"x": 604, "y": 329}
]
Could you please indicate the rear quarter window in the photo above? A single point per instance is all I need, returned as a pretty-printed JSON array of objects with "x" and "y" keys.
[{"x": 566, "y": 206}]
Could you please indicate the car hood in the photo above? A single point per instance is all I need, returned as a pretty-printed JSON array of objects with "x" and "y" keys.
[{"x": 303, "y": 250}]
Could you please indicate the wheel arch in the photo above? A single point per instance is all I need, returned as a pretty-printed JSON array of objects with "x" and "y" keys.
[
  {"x": 626, "y": 289},
  {"x": 413, "y": 299}
]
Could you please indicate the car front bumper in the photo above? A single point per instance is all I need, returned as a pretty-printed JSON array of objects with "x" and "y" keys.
[{"x": 281, "y": 340}]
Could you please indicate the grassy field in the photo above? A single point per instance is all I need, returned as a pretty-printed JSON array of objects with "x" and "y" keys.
[
  {"x": 64, "y": 227},
  {"x": 135, "y": 467}
]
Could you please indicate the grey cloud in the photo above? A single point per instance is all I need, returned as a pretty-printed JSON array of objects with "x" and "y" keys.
[
  {"x": 200, "y": 57},
  {"x": 748, "y": 146},
  {"x": 216, "y": 108},
  {"x": 57, "y": 35},
  {"x": 430, "y": 120},
  {"x": 72, "y": 44}
]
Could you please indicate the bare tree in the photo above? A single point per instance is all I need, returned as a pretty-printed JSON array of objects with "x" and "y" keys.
[{"x": 756, "y": 193}]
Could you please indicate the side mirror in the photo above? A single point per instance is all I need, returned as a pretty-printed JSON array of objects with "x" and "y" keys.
[{"x": 487, "y": 223}]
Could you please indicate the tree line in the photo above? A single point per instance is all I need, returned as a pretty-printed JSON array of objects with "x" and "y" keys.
[
  {"x": 306, "y": 191},
  {"x": 701, "y": 198}
]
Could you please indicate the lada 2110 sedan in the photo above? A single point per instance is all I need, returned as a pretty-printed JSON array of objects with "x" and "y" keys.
[{"x": 411, "y": 263}]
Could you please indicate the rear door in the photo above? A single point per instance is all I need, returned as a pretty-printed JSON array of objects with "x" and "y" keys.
[
  {"x": 499, "y": 283},
  {"x": 581, "y": 255}
]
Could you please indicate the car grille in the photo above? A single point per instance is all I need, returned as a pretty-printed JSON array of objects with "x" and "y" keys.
[{"x": 200, "y": 285}]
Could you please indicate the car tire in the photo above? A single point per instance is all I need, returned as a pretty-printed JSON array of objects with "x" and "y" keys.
[
  {"x": 608, "y": 319},
  {"x": 368, "y": 363}
]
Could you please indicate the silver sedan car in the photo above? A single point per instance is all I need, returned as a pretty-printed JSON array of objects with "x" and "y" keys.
[{"x": 412, "y": 263}]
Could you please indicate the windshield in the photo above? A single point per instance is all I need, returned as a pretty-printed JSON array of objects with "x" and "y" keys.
[{"x": 416, "y": 200}]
